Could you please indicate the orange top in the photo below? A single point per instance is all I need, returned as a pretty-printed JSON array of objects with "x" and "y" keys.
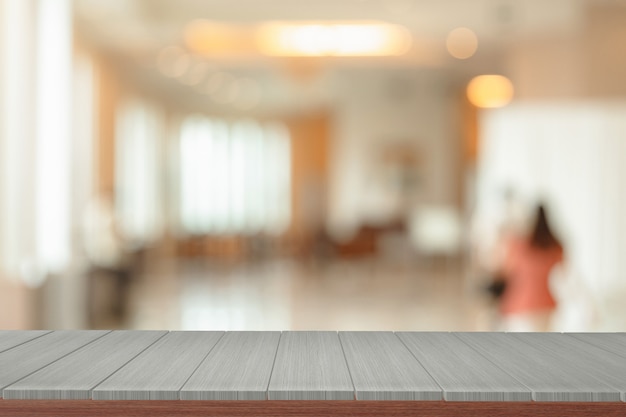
[{"x": 527, "y": 270}]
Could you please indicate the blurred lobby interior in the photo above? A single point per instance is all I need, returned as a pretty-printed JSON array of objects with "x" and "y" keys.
[{"x": 305, "y": 165}]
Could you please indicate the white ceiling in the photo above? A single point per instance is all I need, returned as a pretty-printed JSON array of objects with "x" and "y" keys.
[
  {"x": 161, "y": 21},
  {"x": 134, "y": 31}
]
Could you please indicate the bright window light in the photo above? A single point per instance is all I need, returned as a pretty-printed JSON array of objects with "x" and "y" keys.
[
  {"x": 137, "y": 150},
  {"x": 234, "y": 179}
]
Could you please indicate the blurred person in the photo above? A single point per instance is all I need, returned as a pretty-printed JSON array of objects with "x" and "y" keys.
[{"x": 527, "y": 303}]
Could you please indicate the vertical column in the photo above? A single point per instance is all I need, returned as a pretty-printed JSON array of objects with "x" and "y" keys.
[
  {"x": 83, "y": 142},
  {"x": 17, "y": 243},
  {"x": 53, "y": 133},
  {"x": 17, "y": 27},
  {"x": 3, "y": 110}
]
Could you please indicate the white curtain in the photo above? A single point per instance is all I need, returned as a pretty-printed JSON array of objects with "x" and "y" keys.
[{"x": 573, "y": 157}]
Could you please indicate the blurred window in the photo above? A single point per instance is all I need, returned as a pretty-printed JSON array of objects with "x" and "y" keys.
[
  {"x": 137, "y": 174},
  {"x": 234, "y": 178}
]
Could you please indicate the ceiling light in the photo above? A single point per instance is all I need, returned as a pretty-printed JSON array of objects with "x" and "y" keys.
[
  {"x": 209, "y": 37},
  {"x": 333, "y": 39},
  {"x": 490, "y": 91}
]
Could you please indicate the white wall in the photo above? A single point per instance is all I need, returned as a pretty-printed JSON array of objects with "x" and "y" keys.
[
  {"x": 374, "y": 108},
  {"x": 574, "y": 157}
]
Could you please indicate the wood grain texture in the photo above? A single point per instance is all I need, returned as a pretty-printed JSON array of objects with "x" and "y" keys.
[
  {"x": 161, "y": 370},
  {"x": 238, "y": 368},
  {"x": 34, "y": 355},
  {"x": 310, "y": 366},
  {"x": 611, "y": 342},
  {"x": 463, "y": 373},
  {"x": 382, "y": 368},
  {"x": 590, "y": 360},
  {"x": 547, "y": 374},
  {"x": 12, "y": 338},
  {"x": 485, "y": 368},
  {"x": 75, "y": 375},
  {"x": 70, "y": 408}
]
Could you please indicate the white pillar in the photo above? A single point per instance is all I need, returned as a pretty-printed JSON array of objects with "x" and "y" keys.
[
  {"x": 17, "y": 29},
  {"x": 53, "y": 133}
]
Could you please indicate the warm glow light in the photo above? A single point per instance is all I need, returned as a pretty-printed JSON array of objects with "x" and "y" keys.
[
  {"x": 489, "y": 91},
  {"x": 462, "y": 43},
  {"x": 333, "y": 39},
  {"x": 209, "y": 37}
]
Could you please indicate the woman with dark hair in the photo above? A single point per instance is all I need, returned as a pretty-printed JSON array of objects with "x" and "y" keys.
[{"x": 527, "y": 303}]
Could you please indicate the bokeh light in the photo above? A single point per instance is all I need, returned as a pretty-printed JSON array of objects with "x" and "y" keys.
[
  {"x": 490, "y": 91},
  {"x": 462, "y": 43}
]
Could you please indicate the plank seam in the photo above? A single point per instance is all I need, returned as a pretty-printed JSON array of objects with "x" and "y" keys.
[
  {"x": 200, "y": 363},
  {"x": 588, "y": 343},
  {"x": 269, "y": 380},
  {"x": 343, "y": 351},
  {"x": 420, "y": 363},
  {"x": 54, "y": 361},
  {"x": 26, "y": 341},
  {"x": 126, "y": 363},
  {"x": 593, "y": 345},
  {"x": 582, "y": 369},
  {"x": 532, "y": 392}
]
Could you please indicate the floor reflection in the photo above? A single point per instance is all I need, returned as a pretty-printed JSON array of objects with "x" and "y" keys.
[{"x": 283, "y": 295}]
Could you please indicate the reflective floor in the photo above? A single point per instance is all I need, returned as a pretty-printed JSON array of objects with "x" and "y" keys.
[{"x": 285, "y": 295}]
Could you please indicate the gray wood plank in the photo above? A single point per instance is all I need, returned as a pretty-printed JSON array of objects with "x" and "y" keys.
[
  {"x": 238, "y": 368},
  {"x": 161, "y": 370},
  {"x": 463, "y": 373},
  {"x": 382, "y": 368},
  {"x": 310, "y": 366},
  {"x": 550, "y": 376},
  {"x": 32, "y": 356},
  {"x": 589, "y": 359},
  {"x": 74, "y": 376},
  {"x": 11, "y": 338},
  {"x": 612, "y": 342}
]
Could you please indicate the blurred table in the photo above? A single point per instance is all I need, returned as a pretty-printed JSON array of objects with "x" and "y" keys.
[{"x": 214, "y": 373}]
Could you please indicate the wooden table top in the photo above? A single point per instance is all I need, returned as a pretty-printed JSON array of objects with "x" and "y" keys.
[{"x": 380, "y": 366}]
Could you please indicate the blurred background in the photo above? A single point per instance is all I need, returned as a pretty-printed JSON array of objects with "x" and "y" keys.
[{"x": 282, "y": 164}]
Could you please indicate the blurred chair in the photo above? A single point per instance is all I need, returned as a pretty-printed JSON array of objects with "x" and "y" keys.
[{"x": 111, "y": 264}]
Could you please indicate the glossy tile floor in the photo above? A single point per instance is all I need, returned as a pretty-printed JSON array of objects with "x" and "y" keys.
[{"x": 285, "y": 295}]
